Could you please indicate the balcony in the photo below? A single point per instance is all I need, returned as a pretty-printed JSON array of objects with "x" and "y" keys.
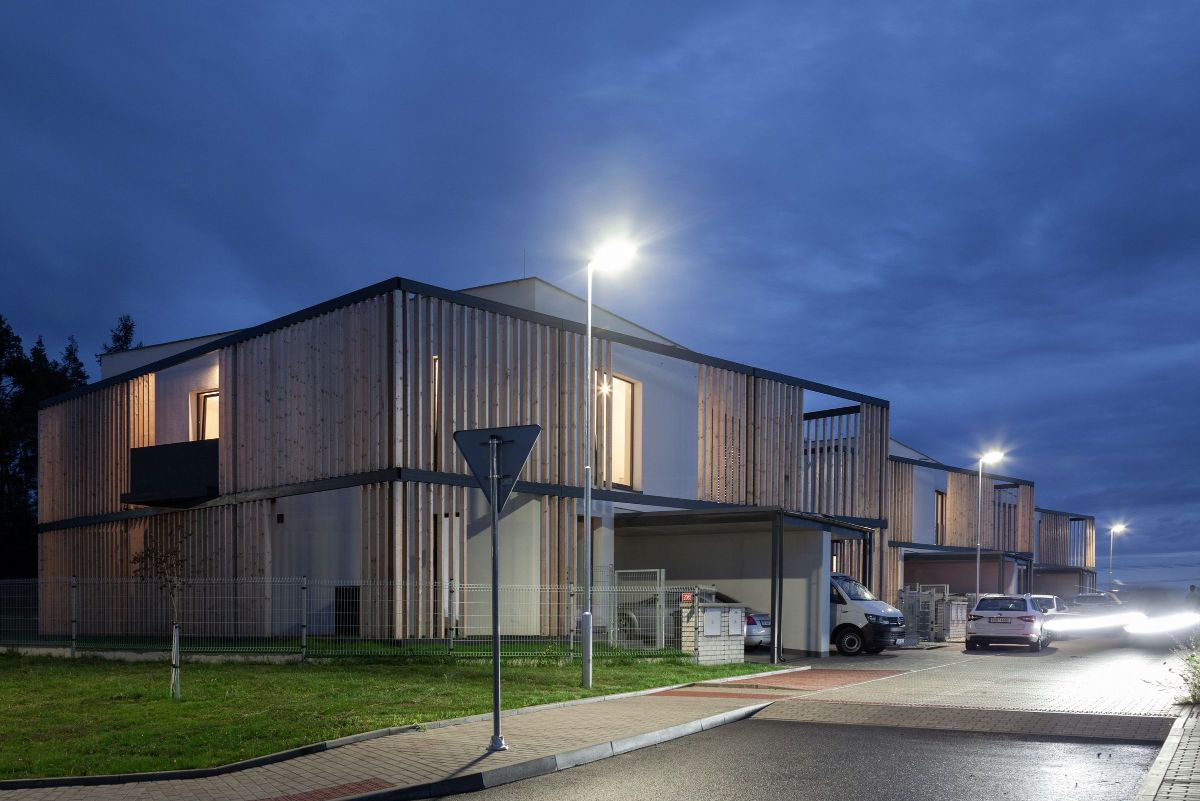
[{"x": 178, "y": 475}]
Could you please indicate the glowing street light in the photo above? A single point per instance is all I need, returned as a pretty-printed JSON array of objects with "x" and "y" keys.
[
  {"x": 1113, "y": 531},
  {"x": 611, "y": 257},
  {"x": 989, "y": 457}
]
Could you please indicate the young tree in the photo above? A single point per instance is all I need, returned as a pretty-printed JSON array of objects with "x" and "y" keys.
[
  {"x": 164, "y": 563},
  {"x": 120, "y": 337}
]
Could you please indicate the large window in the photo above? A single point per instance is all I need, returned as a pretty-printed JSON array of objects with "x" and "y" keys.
[
  {"x": 622, "y": 433},
  {"x": 208, "y": 415}
]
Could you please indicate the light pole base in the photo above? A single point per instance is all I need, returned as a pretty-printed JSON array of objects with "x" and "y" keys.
[
  {"x": 497, "y": 743},
  {"x": 586, "y": 636}
]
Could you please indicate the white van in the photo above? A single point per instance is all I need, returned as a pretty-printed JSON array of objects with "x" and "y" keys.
[{"x": 858, "y": 621}]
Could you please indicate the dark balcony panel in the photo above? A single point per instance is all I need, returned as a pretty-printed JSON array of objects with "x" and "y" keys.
[{"x": 179, "y": 475}]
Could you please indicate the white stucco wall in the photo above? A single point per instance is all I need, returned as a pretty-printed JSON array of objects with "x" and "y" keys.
[
  {"x": 664, "y": 421},
  {"x": 926, "y": 481},
  {"x": 173, "y": 389},
  {"x": 319, "y": 536}
]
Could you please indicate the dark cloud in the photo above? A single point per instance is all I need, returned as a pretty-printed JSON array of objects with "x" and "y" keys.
[{"x": 984, "y": 212}]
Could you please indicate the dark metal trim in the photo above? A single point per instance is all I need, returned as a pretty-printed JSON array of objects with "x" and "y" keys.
[
  {"x": 841, "y": 411},
  {"x": 951, "y": 550},
  {"x": 1072, "y": 515},
  {"x": 964, "y": 470},
  {"x": 417, "y": 287},
  {"x": 232, "y": 339},
  {"x": 1063, "y": 569}
]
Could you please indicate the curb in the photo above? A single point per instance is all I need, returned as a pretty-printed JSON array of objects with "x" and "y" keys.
[
  {"x": 350, "y": 739},
  {"x": 1152, "y": 781},
  {"x": 552, "y": 764}
]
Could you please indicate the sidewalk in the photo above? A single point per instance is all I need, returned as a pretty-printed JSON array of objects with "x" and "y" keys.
[
  {"x": 453, "y": 758},
  {"x": 1175, "y": 774}
]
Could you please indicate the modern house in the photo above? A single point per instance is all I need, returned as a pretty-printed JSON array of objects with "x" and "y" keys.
[
  {"x": 321, "y": 444},
  {"x": 933, "y": 520}
]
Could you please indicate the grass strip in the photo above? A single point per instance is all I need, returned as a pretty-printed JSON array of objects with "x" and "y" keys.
[{"x": 87, "y": 716}]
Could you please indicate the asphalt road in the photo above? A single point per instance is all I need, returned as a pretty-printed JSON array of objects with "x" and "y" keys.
[{"x": 763, "y": 759}]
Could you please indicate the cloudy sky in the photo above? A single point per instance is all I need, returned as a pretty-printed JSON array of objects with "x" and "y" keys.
[{"x": 986, "y": 212}]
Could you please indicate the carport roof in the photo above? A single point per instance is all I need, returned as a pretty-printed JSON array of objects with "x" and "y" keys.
[{"x": 839, "y": 529}]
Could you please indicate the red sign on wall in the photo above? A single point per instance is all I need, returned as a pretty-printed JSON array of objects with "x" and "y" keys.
[{"x": 685, "y": 597}]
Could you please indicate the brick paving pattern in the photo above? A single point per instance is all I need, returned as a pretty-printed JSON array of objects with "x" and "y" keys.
[
  {"x": 1181, "y": 780},
  {"x": 1132, "y": 728},
  {"x": 816, "y": 679}
]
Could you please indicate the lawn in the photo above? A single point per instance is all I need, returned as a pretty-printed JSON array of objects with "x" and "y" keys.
[{"x": 90, "y": 716}]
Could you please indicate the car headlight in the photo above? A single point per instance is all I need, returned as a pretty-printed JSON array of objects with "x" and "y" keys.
[{"x": 875, "y": 619}]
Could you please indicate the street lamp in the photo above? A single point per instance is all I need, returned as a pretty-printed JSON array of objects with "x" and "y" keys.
[
  {"x": 1113, "y": 531},
  {"x": 990, "y": 457},
  {"x": 612, "y": 256}
]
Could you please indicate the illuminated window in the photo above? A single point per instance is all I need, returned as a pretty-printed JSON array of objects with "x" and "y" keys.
[
  {"x": 208, "y": 415},
  {"x": 622, "y": 433},
  {"x": 939, "y": 512}
]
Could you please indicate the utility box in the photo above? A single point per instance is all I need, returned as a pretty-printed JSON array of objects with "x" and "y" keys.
[{"x": 715, "y": 634}]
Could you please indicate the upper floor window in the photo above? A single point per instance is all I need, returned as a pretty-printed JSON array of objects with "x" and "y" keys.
[
  {"x": 622, "y": 433},
  {"x": 208, "y": 417}
]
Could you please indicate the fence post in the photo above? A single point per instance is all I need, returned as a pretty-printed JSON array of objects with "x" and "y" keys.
[
  {"x": 659, "y": 619},
  {"x": 303, "y": 618},
  {"x": 74, "y": 613},
  {"x": 453, "y": 614}
]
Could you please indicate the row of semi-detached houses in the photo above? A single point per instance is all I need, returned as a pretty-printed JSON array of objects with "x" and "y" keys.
[{"x": 322, "y": 442}]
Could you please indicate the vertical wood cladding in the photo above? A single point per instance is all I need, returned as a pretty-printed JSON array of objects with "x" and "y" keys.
[
  {"x": 459, "y": 367},
  {"x": 309, "y": 401},
  {"x": 83, "y": 449},
  {"x": 1054, "y": 539},
  {"x": 215, "y": 542},
  {"x": 748, "y": 439},
  {"x": 1007, "y": 523}
]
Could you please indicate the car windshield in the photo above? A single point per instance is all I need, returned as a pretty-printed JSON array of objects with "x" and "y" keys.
[
  {"x": 854, "y": 591},
  {"x": 1001, "y": 605}
]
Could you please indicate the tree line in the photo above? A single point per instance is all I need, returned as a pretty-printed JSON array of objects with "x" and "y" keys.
[{"x": 27, "y": 378}]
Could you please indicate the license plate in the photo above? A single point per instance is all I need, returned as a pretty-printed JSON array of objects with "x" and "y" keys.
[
  {"x": 998, "y": 620},
  {"x": 899, "y": 641}
]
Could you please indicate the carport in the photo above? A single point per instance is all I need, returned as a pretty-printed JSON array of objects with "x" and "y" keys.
[
  {"x": 999, "y": 571},
  {"x": 769, "y": 558}
]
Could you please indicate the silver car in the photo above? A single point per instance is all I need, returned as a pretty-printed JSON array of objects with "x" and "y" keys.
[{"x": 758, "y": 624}]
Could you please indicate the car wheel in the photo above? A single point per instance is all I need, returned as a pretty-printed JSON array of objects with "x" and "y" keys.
[
  {"x": 849, "y": 642},
  {"x": 1035, "y": 646},
  {"x": 971, "y": 644},
  {"x": 627, "y": 627}
]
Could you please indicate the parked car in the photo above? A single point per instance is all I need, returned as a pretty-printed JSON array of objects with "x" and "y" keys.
[
  {"x": 858, "y": 621},
  {"x": 1012, "y": 619},
  {"x": 1096, "y": 603},
  {"x": 638, "y": 620},
  {"x": 1050, "y": 604},
  {"x": 758, "y": 624}
]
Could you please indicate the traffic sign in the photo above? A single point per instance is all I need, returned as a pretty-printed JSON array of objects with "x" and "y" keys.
[{"x": 514, "y": 444}]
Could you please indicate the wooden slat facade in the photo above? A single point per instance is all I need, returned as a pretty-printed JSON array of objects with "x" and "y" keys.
[
  {"x": 83, "y": 449},
  {"x": 1066, "y": 539}
]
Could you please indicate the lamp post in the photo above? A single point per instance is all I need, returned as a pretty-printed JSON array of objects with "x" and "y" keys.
[
  {"x": 612, "y": 256},
  {"x": 1113, "y": 531},
  {"x": 991, "y": 457}
]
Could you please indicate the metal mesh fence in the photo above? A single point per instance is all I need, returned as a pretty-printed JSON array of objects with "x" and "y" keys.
[{"x": 311, "y": 618}]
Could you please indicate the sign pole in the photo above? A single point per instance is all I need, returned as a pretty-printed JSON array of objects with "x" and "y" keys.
[
  {"x": 496, "y": 470},
  {"x": 497, "y": 743}
]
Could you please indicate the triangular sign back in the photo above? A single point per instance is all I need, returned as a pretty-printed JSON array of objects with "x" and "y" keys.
[{"x": 515, "y": 444}]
